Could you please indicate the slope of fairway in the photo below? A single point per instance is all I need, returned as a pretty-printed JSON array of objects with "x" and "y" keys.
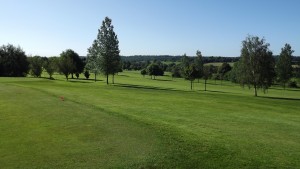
[{"x": 144, "y": 123}]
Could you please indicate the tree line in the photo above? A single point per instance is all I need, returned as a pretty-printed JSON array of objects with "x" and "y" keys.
[
  {"x": 255, "y": 68},
  {"x": 103, "y": 56}
]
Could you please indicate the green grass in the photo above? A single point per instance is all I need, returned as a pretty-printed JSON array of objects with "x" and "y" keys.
[{"x": 144, "y": 123}]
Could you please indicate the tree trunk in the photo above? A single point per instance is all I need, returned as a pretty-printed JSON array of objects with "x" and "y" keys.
[
  {"x": 191, "y": 85},
  {"x": 204, "y": 85},
  {"x": 113, "y": 79},
  {"x": 95, "y": 77},
  {"x": 106, "y": 78},
  {"x": 154, "y": 77},
  {"x": 72, "y": 76},
  {"x": 255, "y": 90},
  {"x": 67, "y": 77}
]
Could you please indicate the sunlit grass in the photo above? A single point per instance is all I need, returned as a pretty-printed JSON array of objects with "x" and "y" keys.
[{"x": 144, "y": 123}]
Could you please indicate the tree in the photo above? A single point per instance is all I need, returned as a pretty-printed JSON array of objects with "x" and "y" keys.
[
  {"x": 79, "y": 66},
  {"x": 223, "y": 69},
  {"x": 87, "y": 74},
  {"x": 199, "y": 65},
  {"x": 143, "y": 72},
  {"x": 284, "y": 67},
  {"x": 257, "y": 64},
  {"x": 93, "y": 59},
  {"x": 297, "y": 70},
  {"x": 13, "y": 61},
  {"x": 155, "y": 70},
  {"x": 50, "y": 65},
  {"x": 234, "y": 73},
  {"x": 36, "y": 66},
  {"x": 108, "y": 48},
  {"x": 190, "y": 73},
  {"x": 207, "y": 73},
  {"x": 66, "y": 62},
  {"x": 176, "y": 71}
]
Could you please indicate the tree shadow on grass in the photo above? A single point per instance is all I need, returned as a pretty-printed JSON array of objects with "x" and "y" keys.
[
  {"x": 280, "y": 98},
  {"x": 215, "y": 91},
  {"x": 146, "y": 87},
  {"x": 83, "y": 80},
  {"x": 163, "y": 80},
  {"x": 287, "y": 89},
  {"x": 123, "y": 75}
]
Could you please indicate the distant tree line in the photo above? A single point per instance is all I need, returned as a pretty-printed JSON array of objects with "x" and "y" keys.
[
  {"x": 256, "y": 67},
  {"x": 169, "y": 58}
]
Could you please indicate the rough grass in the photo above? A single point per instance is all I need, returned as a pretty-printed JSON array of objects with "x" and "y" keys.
[{"x": 144, "y": 123}]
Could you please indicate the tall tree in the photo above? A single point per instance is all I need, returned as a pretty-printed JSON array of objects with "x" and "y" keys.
[
  {"x": 207, "y": 73},
  {"x": 108, "y": 49},
  {"x": 188, "y": 70},
  {"x": 13, "y": 61},
  {"x": 199, "y": 65},
  {"x": 36, "y": 66},
  {"x": 66, "y": 62},
  {"x": 190, "y": 73},
  {"x": 50, "y": 65},
  {"x": 93, "y": 59},
  {"x": 284, "y": 67},
  {"x": 257, "y": 64}
]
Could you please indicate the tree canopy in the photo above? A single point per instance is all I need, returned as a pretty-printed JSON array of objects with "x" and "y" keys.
[
  {"x": 36, "y": 66},
  {"x": 66, "y": 62},
  {"x": 108, "y": 48},
  {"x": 257, "y": 64},
  {"x": 284, "y": 67},
  {"x": 155, "y": 70},
  {"x": 13, "y": 61}
]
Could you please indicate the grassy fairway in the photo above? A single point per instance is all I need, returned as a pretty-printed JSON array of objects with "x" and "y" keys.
[{"x": 144, "y": 123}]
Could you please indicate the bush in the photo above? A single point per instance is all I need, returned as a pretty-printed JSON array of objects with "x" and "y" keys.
[
  {"x": 292, "y": 84},
  {"x": 87, "y": 74}
]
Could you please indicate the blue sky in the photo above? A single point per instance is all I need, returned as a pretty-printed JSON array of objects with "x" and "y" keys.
[{"x": 150, "y": 27}]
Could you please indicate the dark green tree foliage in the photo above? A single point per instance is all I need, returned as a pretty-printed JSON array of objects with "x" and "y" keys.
[
  {"x": 176, "y": 71},
  {"x": 87, "y": 74},
  {"x": 297, "y": 70},
  {"x": 155, "y": 70},
  {"x": 223, "y": 69},
  {"x": 207, "y": 73},
  {"x": 188, "y": 69},
  {"x": 185, "y": 62},
  {"x": 36, "y": 66},
  {"x": 79, "y": 66},
  {"x": 257, "y": 64},
  {"x": 199, "y": 64},
  {"x": 50, "y": 65},
  {"x": 235, "y": 73},
  {"x": 66, "y": 62},
  {"x": 13, "y": 61},
  {"x": 284, "y": 67},
  {"x": 190, "y": 73},
  {"x": 108, "y": 44},
  {"x": 143, "y": 72}
]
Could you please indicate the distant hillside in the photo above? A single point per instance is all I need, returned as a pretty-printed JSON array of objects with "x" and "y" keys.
[{"x": 168, "y": 58}]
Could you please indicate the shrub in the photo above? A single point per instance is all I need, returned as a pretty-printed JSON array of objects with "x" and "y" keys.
[{"x": 87, "y": 74}]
